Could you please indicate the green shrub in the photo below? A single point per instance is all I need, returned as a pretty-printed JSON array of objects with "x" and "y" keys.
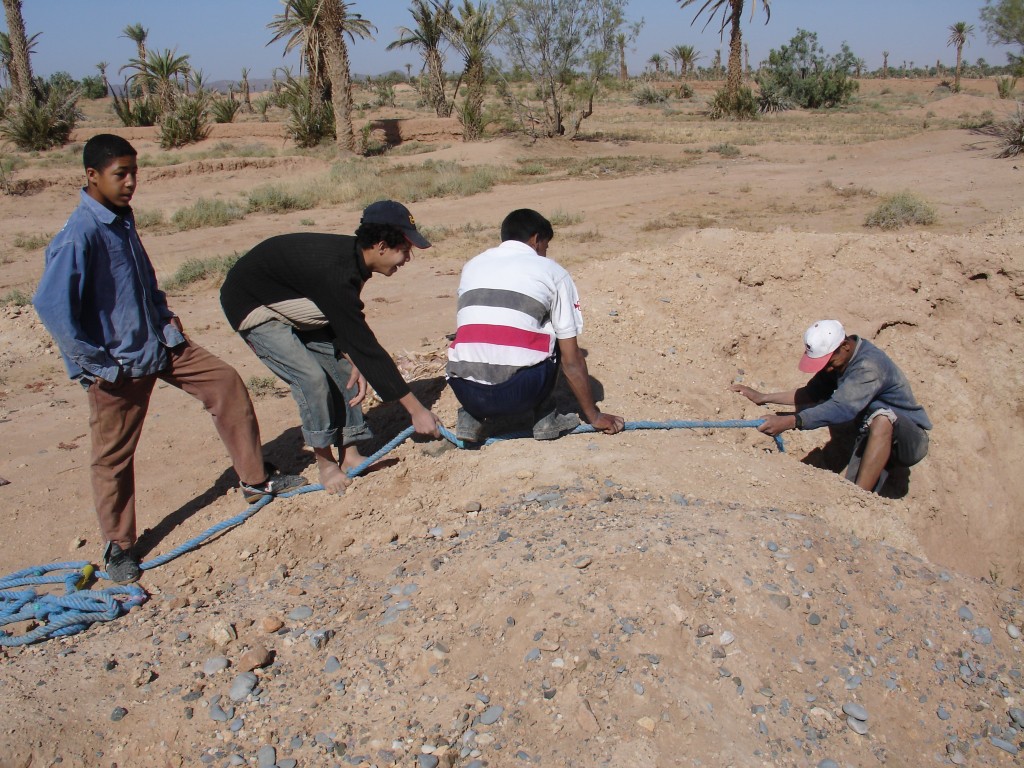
[
  {"x": 900, "y": 210},
  {"x": 771, "y": 99},
  {"x": 31, "y": 242},
  {"x": 385, "y": 93},
  {"x": 1005, "y": 86},
  {"x": 562, "y": 218},
  {"x": 1009, "y": 134},
  {"x": 274, "y": 199},
  {"x": 138, "y": 113},
  {"x": 686, "y": 91},
  {"x": 196, "y": 270},
  {"x": 187, "y": 124},
  {"x": 42, "y": 122},
  {"x": 93, "y": 87},
  {"x": 206, "y": 213},
  {"x": 147, "y": 219},
  {"x": 310, "y": 120},
  {"x": 974, "y": 122},
  {"x": 15, "y": 298},
  {"x": 648, "y": 94},
  {"x": 725, "y": 150},
  {"x": 261, "y": 104},
  {"x": 224, "y": 110},
  {"x": 742, "y": 107},
  {"x": 801, "y": 73}
]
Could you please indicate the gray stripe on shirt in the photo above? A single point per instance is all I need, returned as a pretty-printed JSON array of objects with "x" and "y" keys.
[
  {"x": 483, "y": 372},
  {"x": 497, "y": 297}
]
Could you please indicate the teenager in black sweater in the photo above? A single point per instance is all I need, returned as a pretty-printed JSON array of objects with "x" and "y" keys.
[{"x": 295, "y": 300}]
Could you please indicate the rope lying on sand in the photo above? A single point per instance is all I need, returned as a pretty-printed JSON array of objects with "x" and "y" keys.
[{"x": 79, "y": 608}]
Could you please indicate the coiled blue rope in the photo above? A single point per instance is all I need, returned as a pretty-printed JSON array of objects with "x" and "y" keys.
[{"x": 79, "y": 608}]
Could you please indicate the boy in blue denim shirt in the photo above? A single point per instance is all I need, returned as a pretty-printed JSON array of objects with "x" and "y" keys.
[
  {"x": 853, "y": 381},
  {"x": 98, "y": 298}
]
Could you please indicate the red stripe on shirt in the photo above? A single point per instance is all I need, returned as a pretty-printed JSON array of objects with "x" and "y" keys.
[{"x": 504, "y": 336}]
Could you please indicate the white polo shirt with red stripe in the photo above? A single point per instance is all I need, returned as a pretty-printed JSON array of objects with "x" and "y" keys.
[{"x": 513, "y": 307}]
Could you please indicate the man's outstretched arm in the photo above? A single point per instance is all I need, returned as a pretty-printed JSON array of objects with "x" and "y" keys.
[{"x": 574, "y": 366}]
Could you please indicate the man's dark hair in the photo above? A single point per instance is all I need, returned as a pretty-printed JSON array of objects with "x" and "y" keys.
[
  {"x": 103, "y": 148},
  {"x": 523, "y": 224},
  {"x": 368, "y": 235}
]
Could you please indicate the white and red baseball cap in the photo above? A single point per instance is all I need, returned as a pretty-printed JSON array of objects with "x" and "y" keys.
[{"x": 820, "y": 341}]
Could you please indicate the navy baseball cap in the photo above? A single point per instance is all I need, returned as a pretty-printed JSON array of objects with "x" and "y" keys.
[{"x": 396, "y": 215}]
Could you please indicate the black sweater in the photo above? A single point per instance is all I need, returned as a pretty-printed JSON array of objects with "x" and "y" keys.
[{"x": 329, "y": 271}]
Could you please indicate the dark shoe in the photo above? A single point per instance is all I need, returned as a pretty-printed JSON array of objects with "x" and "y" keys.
[
  {"x": 468, "y": 428},
  {"x": 554, "y": 424},
  {"x": 274, "y": 485},
  {"x": 121, "y": 567}
]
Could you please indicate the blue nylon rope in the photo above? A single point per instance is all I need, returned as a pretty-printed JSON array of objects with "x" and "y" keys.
[{"x": 79, "y": 608}]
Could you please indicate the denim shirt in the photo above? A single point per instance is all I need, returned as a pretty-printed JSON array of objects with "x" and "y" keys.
[
  {"x": 99, "y": 300},
  {"x": 870, "y": 381}
]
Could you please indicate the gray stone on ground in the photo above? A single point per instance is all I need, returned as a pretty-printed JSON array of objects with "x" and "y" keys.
[
  {"x": 301, "y": 613},
  {"x": 266, "y": 757},
  {"x": 242, "y": 686},
  {"x": 491, "y": 714},
  {"x": 216, "y": 664},
  {"x": 855, "y": 710},
  {"x": 857, "y": 726}
]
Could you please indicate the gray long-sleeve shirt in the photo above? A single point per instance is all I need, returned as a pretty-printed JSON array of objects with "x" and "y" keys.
[{"x": 870, "y": 381}]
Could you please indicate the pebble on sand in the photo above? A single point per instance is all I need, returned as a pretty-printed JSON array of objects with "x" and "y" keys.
[
  {"x": 256, "y": 657},
  {"x": 271, "y": 624}
]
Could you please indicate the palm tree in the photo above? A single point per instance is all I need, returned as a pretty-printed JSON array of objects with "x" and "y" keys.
[
  {"x": 162, "y": 68},
  {"x": 427, "y": 36},
  {"x": 336, "y": 21},
  {"x": 958, "y": 34},
  {"x": 471, "y": 34},
  {"x": 138, "y": 33},
  {"x": 244, "y": 86},
  {"x": 18, "y": 62},
  {"x": 657, "y": 61},
  {"x": 5, "y": 55},
  {"x": 885, "y": 65},
  {"x": 673, "y": 54},
  {"x": 301, "y": 26},
  {"x": 102, "y": 67},
  {"x": 688, "y": 56},
  {"x": 620, "y": 46},
  {"x": 732, "y": 11}
]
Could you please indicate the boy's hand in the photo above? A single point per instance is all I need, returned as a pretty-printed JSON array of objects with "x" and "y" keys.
[{"x": 751, "y": 394}]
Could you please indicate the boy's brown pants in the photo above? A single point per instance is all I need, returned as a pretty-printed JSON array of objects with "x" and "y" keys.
[{"x": 116, "y": 414}]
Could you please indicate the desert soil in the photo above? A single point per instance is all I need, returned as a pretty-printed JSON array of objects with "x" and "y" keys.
[{"x": 657, "y": 598}]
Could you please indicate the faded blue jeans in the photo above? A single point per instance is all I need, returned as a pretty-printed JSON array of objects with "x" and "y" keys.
[{"x": 317, "y": 374}]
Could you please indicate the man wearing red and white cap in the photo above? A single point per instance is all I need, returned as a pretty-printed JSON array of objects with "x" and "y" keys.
[{"x": 853, "y": 381}]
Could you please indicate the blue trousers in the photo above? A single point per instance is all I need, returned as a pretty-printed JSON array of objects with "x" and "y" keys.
[{"x": 527, "y": 389}]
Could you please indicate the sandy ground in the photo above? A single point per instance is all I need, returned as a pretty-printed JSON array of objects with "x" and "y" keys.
[{"x": 657, "y": 598}]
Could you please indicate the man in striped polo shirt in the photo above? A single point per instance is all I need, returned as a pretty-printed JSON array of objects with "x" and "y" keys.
[{"x": 518, "y": 321}]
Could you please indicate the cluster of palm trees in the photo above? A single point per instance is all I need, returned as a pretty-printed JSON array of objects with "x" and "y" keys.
[
  {"x": 684, "y": 60},
  {"x": 470, "y": 29}
]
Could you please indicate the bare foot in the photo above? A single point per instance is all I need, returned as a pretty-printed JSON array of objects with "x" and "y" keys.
[
  {"x": 351, "y": 458},
  {"x": 332, "y": 477}
]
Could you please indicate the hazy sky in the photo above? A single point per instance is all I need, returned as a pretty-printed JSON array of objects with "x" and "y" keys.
[{"x": 222, "y": 36}]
